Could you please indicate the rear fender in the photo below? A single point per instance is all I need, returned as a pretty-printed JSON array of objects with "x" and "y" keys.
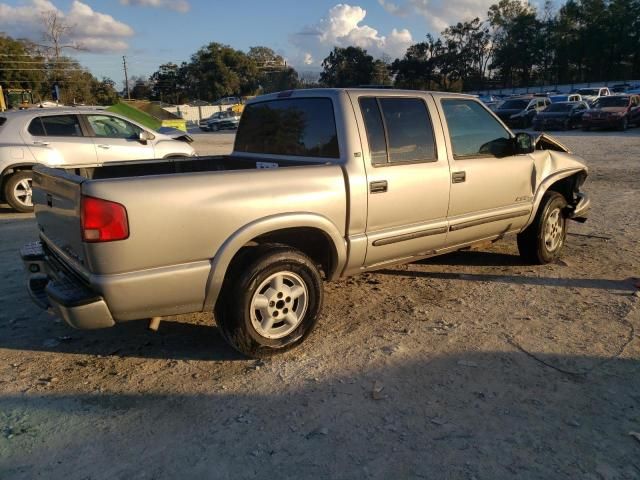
[{"x": 223, "y": 257}]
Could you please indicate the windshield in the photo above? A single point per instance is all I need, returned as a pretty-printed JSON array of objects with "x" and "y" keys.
[
  {"x": 515, "y": 104},
  {"x": 588, "y": 91},
  {"x": 611, "y": 102},
  {"x": 559, "y": 107}
]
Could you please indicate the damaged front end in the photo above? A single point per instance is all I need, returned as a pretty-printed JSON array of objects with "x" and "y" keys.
[{"x": 556, "y": 168}]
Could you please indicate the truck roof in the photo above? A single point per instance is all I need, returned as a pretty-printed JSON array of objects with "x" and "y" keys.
[{"x": 335, "y": 92}]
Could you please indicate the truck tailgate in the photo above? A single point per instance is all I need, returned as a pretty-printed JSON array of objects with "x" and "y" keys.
[{"x": 56, "y": 198}]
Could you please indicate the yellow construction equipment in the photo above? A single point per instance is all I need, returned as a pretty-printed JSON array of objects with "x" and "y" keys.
[{"x": 15, "y": 98}]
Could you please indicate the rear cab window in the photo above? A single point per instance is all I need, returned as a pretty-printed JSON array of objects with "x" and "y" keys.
[
  {"x": 303, "y": 127},
  {"x": 56, "y": 126},
  {"x": 399, "y": 130}
]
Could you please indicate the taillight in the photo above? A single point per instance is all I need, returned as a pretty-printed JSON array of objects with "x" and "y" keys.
[{"x": 103, "y": 221}]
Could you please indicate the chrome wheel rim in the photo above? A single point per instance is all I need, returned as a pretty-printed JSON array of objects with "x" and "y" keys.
[
  {"x": 22, "y": 192},
  {"x": 553, "y": 230},
  {"x": 279, "y": 305}
]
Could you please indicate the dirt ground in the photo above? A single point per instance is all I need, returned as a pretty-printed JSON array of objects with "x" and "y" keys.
[{"x": 466, "y": 366}]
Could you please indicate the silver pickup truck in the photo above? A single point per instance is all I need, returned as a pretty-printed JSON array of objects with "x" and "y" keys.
[{"x": 322, "y": 184}]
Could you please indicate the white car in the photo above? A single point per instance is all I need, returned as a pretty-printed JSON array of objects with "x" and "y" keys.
[
  {"x": 79, "y": 137},
  {"x": 590, "y": 95}
]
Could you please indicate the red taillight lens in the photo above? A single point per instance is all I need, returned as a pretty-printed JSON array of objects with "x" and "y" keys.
[{"x": 103, "y": 221}]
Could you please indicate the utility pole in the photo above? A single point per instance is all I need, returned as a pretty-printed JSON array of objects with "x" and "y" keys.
[{"x": 126, "y": 77}]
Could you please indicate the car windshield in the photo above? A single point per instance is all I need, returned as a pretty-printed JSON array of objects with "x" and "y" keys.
[
  {"x": 515, "y": 104},
  {"x": 611, "y": 102},
  {"x": 588, "y": 91},
  {"x": 559, "y": 107}
]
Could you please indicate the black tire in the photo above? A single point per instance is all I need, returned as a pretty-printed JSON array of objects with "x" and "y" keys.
[
  {"x": 566, "y": 125},
  {"x": 17, "y": 202},
  {"x": 532, "y": 244},
  {"x": 250, "y": 270},
  {"x": 624, "y": 124}
]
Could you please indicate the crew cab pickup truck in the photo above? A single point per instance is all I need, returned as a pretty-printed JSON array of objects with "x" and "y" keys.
[{"x": 322, "y": 184}]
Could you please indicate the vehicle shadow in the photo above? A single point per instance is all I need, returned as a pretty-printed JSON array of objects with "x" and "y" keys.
[
  {"x": 176, "y": 340},
  {"x": 488, "y": 415},
  {"x": 624, "y": 285},
  {"x": 476, "y": 259}
]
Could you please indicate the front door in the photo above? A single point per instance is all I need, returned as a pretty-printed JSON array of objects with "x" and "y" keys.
[
  {"x": 491, "y": 188},
  {"x": 117, "y": 140},
  {"x": 407, "y": 176}
]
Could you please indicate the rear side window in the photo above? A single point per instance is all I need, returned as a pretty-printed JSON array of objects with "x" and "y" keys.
[
  {"x": 56, "y": 126},
  {"x": 294, "y": 126},
  {"x": 399, "y": 130}
]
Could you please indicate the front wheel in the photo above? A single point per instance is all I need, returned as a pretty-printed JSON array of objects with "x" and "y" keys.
[
  {"x": 542, "y": 241},
  {"x": 270, "y": 302},
  {"x": 18, "y": 193},
  {"x": 624, "y": 124}
]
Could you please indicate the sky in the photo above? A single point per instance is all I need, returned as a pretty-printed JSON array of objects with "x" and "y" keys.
[{"x": 152, "y": 32}]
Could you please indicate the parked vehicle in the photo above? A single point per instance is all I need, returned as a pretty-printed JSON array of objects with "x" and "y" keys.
[
  {"x": 519, "y": 112},
  {"x": 223, "y": 121},
  {"x": 590, "y": 95},
  {"x": 616, "y": 111},
  {"x": 322, "y": 184},
  {"x": 570, "y": 97},
  {"x": 562, "y": 115},
  {"x": 59, "y": 137},
  {"x": 490, "y": 101}
]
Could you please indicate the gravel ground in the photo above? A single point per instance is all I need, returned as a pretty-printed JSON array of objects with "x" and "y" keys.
[{"x": 466, "y": 366}]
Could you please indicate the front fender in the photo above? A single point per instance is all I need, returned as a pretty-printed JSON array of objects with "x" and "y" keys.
[
  {"x": 222, "y": 259},
  {"x": 550, "y": 166}
]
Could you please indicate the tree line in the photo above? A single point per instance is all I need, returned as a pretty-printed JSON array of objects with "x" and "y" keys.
[{"x": 514, "y": 45}]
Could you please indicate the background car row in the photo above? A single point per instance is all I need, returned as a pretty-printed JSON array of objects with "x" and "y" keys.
[{"x": 597, "y": 108}]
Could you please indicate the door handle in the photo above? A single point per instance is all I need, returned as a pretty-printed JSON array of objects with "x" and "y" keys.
[
  {"x": 106, "y": 147},
  {"x": 379, "y": 186},
  {"x": 41, "y": 144},
  {"x": 458, "y": 177}
]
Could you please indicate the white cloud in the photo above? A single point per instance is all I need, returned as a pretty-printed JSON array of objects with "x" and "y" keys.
[
  {"x": 177, "y": 5},
  {"x": 343, "y": 27},
  {"x": 93, "y": 31},
  {"x": 439, "y": 14}
]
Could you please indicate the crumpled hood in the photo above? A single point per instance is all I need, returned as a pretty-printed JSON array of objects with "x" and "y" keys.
[{"x": 551, "y": 157}]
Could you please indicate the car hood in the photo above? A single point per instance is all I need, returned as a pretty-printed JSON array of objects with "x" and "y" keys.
[
  {"x": 507, "y": 111},
  {"x": 169, "y": 133}
]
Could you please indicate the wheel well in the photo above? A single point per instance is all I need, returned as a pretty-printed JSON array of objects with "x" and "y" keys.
[
  {"x": 312, "y": 242},
  {"x": 569, "y": 186}
]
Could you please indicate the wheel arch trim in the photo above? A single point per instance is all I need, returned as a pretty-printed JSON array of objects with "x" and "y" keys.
[
  {"x": 544, "y": 186},
  {"x": 225, "y": 254}
]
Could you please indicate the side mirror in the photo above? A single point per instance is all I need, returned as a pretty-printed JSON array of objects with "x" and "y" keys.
[
  {"x": 524, "y": 143},
  {"x": 145, "y": 136}
]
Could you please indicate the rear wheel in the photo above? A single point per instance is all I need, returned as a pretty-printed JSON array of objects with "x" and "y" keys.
[
  {"x": 270, "y": 302},
  {"x": 542, "y": 241},
  {"x": 18, "y": 193}
]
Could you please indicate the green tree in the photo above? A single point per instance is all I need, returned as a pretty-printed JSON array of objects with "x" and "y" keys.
[
  {"x": 419, "y": 69},
  {"x": 273, "y": 72},
  {"x": 347, "y": 67}
]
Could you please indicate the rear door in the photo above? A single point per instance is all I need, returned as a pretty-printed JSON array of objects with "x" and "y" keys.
[
  {"x": 407, "y": 175},
  {"x": 491, "y": 189},
  {"x": 117, "y": 139},
  {"x": 60, "y": 139}
]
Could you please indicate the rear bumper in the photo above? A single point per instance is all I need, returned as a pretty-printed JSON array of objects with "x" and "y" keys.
[
  {"x": 62, "y": 294},
  {"x": 607, "y": 122}
]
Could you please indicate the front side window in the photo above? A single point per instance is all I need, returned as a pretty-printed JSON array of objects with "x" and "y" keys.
[
  {"x": 56, "y": 126},
  {"x": 399, "y": 130},
  {"x": 106, "y": 126},
  {"x": 293, "y": 126},
  {"x": 475, "y": 132}
]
